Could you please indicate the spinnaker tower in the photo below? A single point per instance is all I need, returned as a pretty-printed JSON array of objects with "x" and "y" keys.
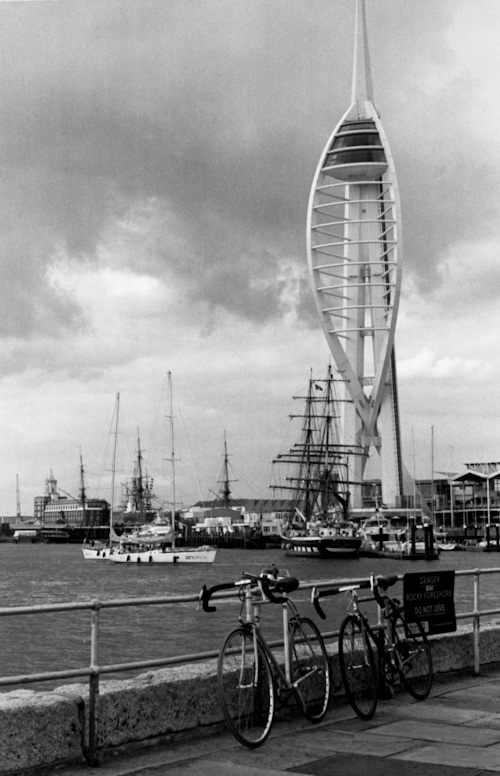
[{"x": 354, "y": 257}]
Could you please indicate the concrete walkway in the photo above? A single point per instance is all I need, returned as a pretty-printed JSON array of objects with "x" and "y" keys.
[{"x": 455, "y": 731}]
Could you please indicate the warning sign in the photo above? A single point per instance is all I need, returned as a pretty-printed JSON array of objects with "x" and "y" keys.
[{"x": 429, "y": 598}]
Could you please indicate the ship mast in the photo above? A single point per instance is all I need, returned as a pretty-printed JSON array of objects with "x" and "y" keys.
[
  {"x": 113, "y": 470},
  {"x": 18, "y": 498},
  {"x": 319, "y": 459},
  {"x": 82, "y": 489},
  {"x": 138, "y": 483},
  {"x": 225, "y": 490},
  {"x": 172, "y": 458}
]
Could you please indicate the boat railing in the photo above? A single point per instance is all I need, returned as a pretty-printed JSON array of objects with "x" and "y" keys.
[{"x": 97, "y": 607}]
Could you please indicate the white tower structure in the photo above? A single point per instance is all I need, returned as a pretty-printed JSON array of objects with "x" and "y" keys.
[{"x": 353, "y": 240}]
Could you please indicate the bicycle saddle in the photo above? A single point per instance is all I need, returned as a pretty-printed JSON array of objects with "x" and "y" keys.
[
  {"x": 285, "y": 585},
  {"x": 385, "y": 582}
]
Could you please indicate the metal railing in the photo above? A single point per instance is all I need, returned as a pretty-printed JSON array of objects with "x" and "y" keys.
[{"x": 94, "y": 670}]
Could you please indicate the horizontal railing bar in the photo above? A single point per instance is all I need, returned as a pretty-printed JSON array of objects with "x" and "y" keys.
[
  {"x": 96, "y": 604},
  {"x": 45, "y": 676}
]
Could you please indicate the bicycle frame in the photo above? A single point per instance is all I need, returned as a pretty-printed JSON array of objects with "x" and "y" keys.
[
  {"x": 382, "y": 635},
  {"x": 253, "y": 601},
  {"x": 260, "y": 673}
]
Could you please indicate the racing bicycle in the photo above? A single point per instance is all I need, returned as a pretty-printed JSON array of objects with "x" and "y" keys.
[
  {"x": 251, "y": 675},
  {"x": 402, "y": 649}
]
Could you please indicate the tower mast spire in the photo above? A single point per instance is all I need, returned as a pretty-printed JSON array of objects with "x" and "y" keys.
[{"x": 362, "y": 85}]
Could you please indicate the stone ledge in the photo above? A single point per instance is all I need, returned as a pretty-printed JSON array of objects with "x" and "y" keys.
[
  {"x": 39, "y": 729},
  {"x": 46, "y": 729}
]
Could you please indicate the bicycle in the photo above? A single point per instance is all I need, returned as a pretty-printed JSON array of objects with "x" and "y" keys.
[
  {"x": 250, "y": 676},
  {"x": 402, "y": 648}
]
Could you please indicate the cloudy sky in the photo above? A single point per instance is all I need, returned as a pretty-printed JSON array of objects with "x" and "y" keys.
[{"x": 156, "y": 161}]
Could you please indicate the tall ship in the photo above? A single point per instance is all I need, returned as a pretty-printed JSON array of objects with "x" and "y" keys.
[
  {"x": 138, "y": 495},
  {"x": 319, "y": 520}
]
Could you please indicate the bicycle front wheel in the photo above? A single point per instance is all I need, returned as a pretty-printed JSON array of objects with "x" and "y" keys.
[
  {"x": 357, "y": 668},
  {"x": 310, "y": 670},
  {"x": 246, "y": 687},
  {"x": 412, "y": 656}
]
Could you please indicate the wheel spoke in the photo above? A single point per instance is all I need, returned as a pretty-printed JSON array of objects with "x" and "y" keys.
[
  {"x": 310, "y": 670},
  {"x": 357, "y": 667},
  {"x": 412, "y": 656},
  {"x": 246, "y": 688}
]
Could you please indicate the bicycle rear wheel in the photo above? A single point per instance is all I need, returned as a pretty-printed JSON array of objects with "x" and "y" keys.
[
  {"x": 246, "y": 687},
  {"x": 357, "y": 667},
  {"x": 310, "y": 670},
  {"x": 412, "y": 656}
]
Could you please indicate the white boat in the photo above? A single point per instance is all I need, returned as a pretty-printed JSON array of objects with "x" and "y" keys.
[
  {"x": 447, "y": 546},
  {"x": 99, "y": 551},
  {"x": 378, "y": 532},
  {"x": 165, "y": 555},
  {"x": 155, "y": 542},
  {"x": 444, "y": 544}
]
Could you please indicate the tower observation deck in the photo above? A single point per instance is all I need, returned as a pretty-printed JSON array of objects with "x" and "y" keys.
[{"x": 353, "y": 248}]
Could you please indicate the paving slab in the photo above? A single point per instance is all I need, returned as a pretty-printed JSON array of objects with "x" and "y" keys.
[
  {"x": 216, "y": 768},
  {"x": 442, "y": 713},
  {"x": 356, "y": 765},
  {"x": 279, "y": 753},
  {"x": 343, "y": 742},
  {"x": 482, "y": 759},
  {"x": 449, "y": 734},
  {"x": 484, "y": 697}
]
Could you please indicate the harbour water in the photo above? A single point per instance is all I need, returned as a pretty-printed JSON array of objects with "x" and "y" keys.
[{"x": 33, "y": 574}]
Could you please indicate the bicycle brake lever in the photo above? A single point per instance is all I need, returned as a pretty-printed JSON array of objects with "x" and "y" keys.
[
  {"x": 205, "y": 598},
  {"x": 315, "y": 600}
]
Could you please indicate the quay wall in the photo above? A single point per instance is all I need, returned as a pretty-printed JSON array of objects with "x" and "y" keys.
[{"x": 40, "y": 731}]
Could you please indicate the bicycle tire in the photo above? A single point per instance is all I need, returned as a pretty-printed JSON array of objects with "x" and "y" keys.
[
  {"x": 309, "y": 669},
  {"x": 412, "y": 658},
  {"x": 357, "y": 668},
  {"x": 246, "y": 688}
]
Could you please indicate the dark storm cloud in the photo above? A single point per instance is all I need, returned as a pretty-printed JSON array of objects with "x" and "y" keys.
[
  {"x": 217, "y": 109},
  {"x": 104, "y": 104},
  {"x": 449, "y": 188}
]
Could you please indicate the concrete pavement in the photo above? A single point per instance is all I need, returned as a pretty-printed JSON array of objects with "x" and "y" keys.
[{"x": 455, "y": 731}]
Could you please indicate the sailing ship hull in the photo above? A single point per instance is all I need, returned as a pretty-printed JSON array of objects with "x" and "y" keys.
[
  {"x": 329, "y": 547},
  {"x": 196, "y": 555}
]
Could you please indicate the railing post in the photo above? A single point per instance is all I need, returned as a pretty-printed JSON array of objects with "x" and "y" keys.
[
  {"x": 91, "y": 756},
  {"x": 384, "y": 690},
  {"x": 476, "y": 623}
]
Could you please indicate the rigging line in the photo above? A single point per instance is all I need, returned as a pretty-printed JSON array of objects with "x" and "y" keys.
[
  {"x": 156, "y": 434},
  {"x": 198, "y": 483},
  {"x": 105, "y": 458}
]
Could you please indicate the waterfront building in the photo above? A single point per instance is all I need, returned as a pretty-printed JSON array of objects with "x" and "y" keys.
[
  {"x": 353, "y": 248},
  {"x": 75, "y": 514},
  {"x": 463, "y": 504},
  {"x": 51, "y": 494},
  {"x": 242, "y": 515},
  {"x": 53, "y": 508}
]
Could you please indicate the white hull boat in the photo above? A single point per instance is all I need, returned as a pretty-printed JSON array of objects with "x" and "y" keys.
[
  {"x": 97, "y": 553},
  {"x": 170, "y": 555}
]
